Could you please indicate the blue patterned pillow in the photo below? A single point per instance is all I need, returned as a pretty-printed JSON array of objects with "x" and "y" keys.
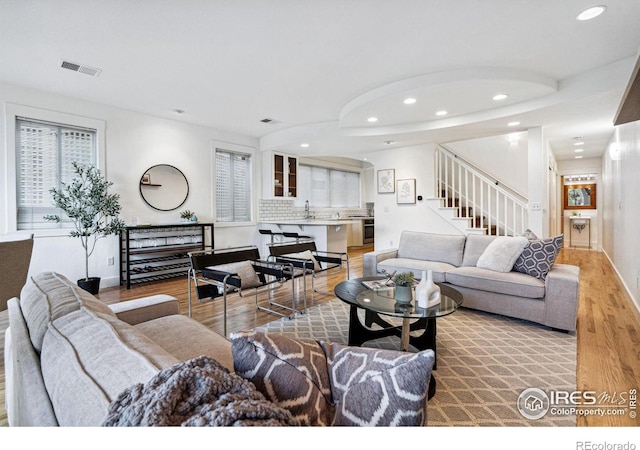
[{"x": 538, "y": 257}]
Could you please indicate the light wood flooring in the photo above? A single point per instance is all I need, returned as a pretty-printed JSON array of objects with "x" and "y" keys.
[{"x": 608, "y": 335}]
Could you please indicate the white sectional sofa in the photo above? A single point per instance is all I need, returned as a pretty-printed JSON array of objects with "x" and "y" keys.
[{"x": 550, "y": 299}]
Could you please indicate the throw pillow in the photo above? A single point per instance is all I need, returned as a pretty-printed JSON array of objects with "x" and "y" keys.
[
  {"x": 307, "y": 256},
  {"x": 529, "y": 234},
  {"x": 292, "y": 373},
  {"x": 373, "y": 387},
  {"x": 502, "y": 253},
  {"x": 538, "y": 257},
  {"x": 248, "y": 276}
]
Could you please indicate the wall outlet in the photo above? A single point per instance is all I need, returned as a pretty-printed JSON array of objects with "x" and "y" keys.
[
  {"x": 536, "y": 206},
  {"x": 110, "y": 261}
]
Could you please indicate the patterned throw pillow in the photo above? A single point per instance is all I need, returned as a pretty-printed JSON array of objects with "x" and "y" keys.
[
  {"x": 373, "y": 387},
  {"x": 538, "y": 257},
  {"x": 529, "y": 235},
  {"x": 292, "y": 373}
]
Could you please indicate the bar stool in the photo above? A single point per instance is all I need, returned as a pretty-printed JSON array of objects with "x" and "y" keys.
[
  {"x": 270, "y": 233},
  {"x": 296, "y": 236}
]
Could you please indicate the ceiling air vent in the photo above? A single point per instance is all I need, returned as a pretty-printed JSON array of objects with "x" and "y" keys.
[
  {"x": 80, "y": 68},
  {"x": 267, "y": 120}
]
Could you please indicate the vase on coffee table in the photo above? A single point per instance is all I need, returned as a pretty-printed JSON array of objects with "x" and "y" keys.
[{"x": 403, "y": 294}]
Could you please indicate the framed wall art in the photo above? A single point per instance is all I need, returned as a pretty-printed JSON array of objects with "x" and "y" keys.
[
  {"x": 386, "y": 181},
  {"x": 406, "y": 191}
]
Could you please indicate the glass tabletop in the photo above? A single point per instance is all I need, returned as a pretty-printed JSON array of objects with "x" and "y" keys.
[{"x": 381, "y": 301}]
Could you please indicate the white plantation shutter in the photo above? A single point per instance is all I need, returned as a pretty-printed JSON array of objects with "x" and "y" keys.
[
  {"x": 44, "y": 153},
  {"x": 325, "y": 187},
  {"x": 233, "y": 186}
]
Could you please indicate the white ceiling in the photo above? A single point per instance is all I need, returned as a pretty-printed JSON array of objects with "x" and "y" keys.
[{"x": 321, "y": 68}]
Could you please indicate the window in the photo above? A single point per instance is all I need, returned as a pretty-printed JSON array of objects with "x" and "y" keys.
[
  {"x": 328, "y": 188},
  {"x": 44, "y": 153},
  {"x": 233, "y": 186}
]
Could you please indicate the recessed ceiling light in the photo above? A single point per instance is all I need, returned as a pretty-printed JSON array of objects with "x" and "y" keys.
[
  {"x": 389, "y": 142},
  {"x": 178, "y": 111},
  {"x": 409, "y": 101},
  {"x": 500, "y": 97},
  {"x": 578, "y": 157},
  {"x": 442, "y": 113},
  {"x": 304, "y": 145},
  {"x": 578, "y": 143},
  {"x": 372, "y": 119},
  {"x": 513, "y": 124},
  {"x": 578, "y": 150},
  {"x": 591, "y": 13}
]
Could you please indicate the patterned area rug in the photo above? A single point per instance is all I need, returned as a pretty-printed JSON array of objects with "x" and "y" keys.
[{"x": 484, "y": 362}]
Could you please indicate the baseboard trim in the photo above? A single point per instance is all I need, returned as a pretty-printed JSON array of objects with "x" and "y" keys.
[{"x": 634, "y": 300}]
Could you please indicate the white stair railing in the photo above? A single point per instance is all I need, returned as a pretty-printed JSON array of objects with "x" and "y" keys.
[{"x": 482, "y": 198}]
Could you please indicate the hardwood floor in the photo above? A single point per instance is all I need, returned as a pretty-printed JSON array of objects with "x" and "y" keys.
[{"x": 608, "y": 335}]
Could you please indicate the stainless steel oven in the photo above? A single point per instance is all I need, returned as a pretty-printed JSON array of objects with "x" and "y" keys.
[{"x": 367, "y": 231}]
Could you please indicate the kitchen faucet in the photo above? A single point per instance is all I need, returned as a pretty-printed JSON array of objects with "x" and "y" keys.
[{"x": 306, "y": 209}]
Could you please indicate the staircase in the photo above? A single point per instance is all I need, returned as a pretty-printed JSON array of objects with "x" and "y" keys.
[{"x": 473, "y": 201}]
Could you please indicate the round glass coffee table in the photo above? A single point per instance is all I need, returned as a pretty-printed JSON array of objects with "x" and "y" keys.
[
  {"x": 380, "y": 302},
  {"x": 378, "y": 305}
]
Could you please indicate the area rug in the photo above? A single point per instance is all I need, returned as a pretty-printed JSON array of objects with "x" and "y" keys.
[{"x": 485, "y": 361}]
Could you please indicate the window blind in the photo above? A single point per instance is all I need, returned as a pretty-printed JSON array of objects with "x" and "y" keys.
[
  {"x": 328, "y": 188},
  {"x": 44, "y": 153},
  {"x": 233, "y": 186}
]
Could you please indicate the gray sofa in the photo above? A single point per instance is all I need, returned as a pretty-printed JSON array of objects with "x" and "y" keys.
[
  {"x": 69, "y": 373},
  {"x": 72, "y": 360},
  {"x": 452, "y": 259}
]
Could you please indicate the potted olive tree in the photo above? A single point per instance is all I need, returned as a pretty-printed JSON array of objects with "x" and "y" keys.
[{"x": 92, "y": 210}]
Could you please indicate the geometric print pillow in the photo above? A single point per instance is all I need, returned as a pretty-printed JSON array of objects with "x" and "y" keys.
[
  {"x": 538, "y": 257},
  {"x": 373, "y": 387},
  {"x": 292, "y": 373}
]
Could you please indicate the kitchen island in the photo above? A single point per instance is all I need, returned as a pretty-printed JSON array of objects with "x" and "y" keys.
[{"x": 330, "y": 235}]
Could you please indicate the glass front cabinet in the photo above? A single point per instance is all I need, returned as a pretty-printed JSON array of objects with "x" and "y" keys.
[{"x": 285, "y": 172}]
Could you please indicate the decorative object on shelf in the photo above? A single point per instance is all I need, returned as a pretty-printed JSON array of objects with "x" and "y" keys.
[
  {"x": 386, "y": 181},
  {"x": 169, "y": 189},
  {"x": 404, "y": 284},
  {"x": 92, "y": 210},
  {"x": 427, "y": 292},
  {"x": 406, "y": 191},
  {"x": 188, "y": 216}
]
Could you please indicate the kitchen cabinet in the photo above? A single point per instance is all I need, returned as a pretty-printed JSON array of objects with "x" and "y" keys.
[
  {"x": 157, "y": 252},
  {"x": 284, "y": 175},
  {"x": 354, "y": 233}
]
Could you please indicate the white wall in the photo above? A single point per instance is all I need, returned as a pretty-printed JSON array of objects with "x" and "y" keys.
[
  {"x": 134, "y": 142},
  {"x": 619, "y": 196},
  {"x": 494, "y": 153},
  {"x": 391, "y": 218}
]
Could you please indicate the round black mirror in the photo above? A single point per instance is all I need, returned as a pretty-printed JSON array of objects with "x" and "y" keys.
[{"x": 164, "y": 187}]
